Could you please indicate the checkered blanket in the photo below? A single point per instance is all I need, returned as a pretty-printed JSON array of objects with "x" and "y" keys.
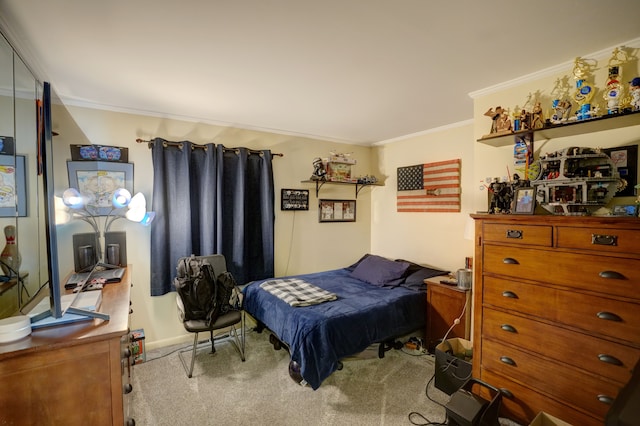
[{"x": 297, "y": 292}]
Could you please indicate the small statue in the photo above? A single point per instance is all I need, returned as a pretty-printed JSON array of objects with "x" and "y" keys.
[
  {"x": 537, "y": 120},
  {"x": 501, "y": 122},
  {"x": 319, "y": 172},
  {"x": 634, "y": 91}
]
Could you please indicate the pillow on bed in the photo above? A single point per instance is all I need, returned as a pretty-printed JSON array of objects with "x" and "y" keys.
[
  {"x": 379, "y": 271},
  {"x": 352, "y": 267},
  {"x": 416, "y": 274}
]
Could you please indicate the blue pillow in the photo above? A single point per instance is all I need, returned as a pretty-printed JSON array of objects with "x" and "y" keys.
[
  {"x": 416, "y": 279},
  {"x": 379, "y": 271}
]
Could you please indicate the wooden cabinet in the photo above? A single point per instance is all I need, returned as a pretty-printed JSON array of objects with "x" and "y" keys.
[
  {"x": 73, "y": 374},
  {"x": 446, "y": 303},
  {"x": 556, "y": 312}
]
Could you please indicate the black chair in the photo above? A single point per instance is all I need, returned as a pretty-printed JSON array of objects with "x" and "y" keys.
[{"x": 228, "y": 320}]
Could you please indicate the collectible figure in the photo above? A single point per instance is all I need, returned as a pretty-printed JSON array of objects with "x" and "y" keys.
[
  {"x": 319, "y": 172},
  {"x": 634, "y": 91}
]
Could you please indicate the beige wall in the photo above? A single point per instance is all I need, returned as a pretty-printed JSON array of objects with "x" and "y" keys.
[
  {"x": 301, "y": 243},
  {"x": 436, "y": 239}
]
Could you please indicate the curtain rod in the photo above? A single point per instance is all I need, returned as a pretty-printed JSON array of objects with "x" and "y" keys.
[{"x": 195, "y": 145}]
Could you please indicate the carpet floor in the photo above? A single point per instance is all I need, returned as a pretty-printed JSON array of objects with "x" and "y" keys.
[{"x": 226, "y": 391}]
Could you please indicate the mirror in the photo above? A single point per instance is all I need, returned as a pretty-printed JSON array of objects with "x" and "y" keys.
[{"x": 21, "y": 186}]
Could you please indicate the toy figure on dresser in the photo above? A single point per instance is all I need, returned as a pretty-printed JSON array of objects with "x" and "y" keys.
[
  {"x": 501, "y": 195},
  {"x": 319, "y": 172},
  {"x": 501, "y": 124},
  {"x": 634, "y": 91}
]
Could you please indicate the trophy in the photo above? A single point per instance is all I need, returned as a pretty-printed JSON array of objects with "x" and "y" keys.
[
  {"x": 613, "y": 89},
  {"x": 584, "y": 90}
]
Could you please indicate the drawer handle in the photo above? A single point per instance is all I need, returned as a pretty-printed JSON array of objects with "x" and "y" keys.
[
  {"x": 606, "y": 399},
  {"x": 508, "y": 360},
  {"x": 514, "y": 233},
  {"x": 509, "y": 328},
  {"x": 609, "y": 359},
  {"x": 609, "y": 316},
  {"x": 611, "y": 275},
  {"x": 506, "y": 392},
  {"x": 510, "y": 261},
  {"x": 509, "y": 294},
  {"x": 604, "y": 240},
  {"x": 128, "y": 388}
]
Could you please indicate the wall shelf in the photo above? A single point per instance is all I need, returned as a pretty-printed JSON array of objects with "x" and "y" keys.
[
  {"x": 599, "y": 124},
  {"x": 358, "y": 186}
]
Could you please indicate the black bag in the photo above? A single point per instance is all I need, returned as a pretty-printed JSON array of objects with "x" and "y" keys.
[
  {"x": 228, "y": 298},
  {"x": 196, "y": 284}
]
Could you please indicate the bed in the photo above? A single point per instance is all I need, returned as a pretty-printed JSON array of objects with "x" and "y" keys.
[{"x": 377, "y": 299}]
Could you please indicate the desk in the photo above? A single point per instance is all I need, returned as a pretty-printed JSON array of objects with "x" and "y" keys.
[{"x": 74, "y": 374}]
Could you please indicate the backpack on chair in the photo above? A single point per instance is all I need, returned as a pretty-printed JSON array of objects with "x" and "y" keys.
[{"x": 196, "y": 284}]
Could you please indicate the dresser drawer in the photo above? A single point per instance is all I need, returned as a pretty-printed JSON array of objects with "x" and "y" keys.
[
  {"x": 550, "y": 377},
  {"x": 523, "y": 404},
  {"x": 607, "y": 317},
  {"x": 518, "y": 234},
  {"x": 608, "y": 359},
  {"x": 608, "y": 275},
  {"x": 602, "y": 240}
]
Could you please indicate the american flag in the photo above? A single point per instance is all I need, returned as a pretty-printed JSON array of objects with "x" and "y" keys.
[{"x": 432, "y": 187}]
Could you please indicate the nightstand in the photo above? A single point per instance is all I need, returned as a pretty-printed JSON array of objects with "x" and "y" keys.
[{"x": 444, "y": 304}]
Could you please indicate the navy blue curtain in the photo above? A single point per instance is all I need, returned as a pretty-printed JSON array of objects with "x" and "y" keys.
[{"x": 211, "y": 200}]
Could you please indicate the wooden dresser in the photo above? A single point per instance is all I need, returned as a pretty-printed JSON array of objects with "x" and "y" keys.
[
  {"x": 556, "y": 312},
  {"x": 74, "y": 374}
]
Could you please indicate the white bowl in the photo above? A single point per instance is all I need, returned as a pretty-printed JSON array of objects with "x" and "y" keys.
[{"x": 14, "y": 328}]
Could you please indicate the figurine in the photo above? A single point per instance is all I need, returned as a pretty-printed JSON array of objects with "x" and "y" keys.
[
  {"x": 537, "y": 121},
  {"x": 319, "y": 172},
  {"x": 634, "y": 91},
  {"x": 584, "y": 90},
  {"x": 501, "y": 122},
  {"x": 613, "y": 90}
]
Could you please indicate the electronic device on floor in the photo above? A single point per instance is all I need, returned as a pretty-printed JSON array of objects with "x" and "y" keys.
[{"x": 468, "y": 409}]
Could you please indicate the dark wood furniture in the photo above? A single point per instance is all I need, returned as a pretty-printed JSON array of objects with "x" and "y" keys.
[
  {"x": 556, "y": 312},
  {"x": 445, "y": 303},
  {"x": 74, "y": 374}
]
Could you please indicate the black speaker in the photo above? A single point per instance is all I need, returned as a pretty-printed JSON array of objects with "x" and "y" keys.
[{"x": 85, "y": 253}]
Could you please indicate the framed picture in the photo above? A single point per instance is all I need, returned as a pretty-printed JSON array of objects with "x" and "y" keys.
[
  {"x": 99, "y": 153},
  {"x": 294, "y": 199},
  {"x": 13, "y": 186},
  {"x": 98, "y": 179},
  {"x": 524, "y": 201},
  {"x": 337, "y": 210},
  {"x": 626, "y": 160}
]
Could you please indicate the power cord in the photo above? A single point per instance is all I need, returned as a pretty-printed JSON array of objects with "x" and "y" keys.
[{"x": 425, "y": 421}]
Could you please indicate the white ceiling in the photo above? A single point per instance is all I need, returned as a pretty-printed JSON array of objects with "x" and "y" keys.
[{"x": 358, "y": 71}]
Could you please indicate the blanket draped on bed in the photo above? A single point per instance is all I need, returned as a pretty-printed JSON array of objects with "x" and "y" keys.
[{"x": 297, "y": 292}]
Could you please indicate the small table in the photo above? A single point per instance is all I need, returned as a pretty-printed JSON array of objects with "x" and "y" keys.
[{"x": 445, "y": 303}]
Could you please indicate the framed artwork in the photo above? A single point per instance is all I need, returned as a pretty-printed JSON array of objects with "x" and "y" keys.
[
  {"x": 294, "y": 199},
  {"x": 13, "y": 186},
  {"x": 626, "y": 160},
  {"x": 97, "y": 180},
  {"x": 337, "y": 210},
  {"x": 524, "y": 201}
]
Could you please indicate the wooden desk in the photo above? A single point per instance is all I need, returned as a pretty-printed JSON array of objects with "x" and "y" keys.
[
  {"x": 444, "y": 304},
  {"x": 73, "y": 374}
]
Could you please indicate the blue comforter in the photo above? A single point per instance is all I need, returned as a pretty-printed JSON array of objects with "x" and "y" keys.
[{"x": 319, "y": 336}]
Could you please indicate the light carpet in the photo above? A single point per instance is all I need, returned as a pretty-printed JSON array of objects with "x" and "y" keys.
[{"x": 226, "y": 391}]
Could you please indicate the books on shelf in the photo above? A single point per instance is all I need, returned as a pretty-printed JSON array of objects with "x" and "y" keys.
[{"x": 107, "y": 276}]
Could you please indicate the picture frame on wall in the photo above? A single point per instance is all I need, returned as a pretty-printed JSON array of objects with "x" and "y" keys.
[
  {"x": 626, "y": 160},
  {"x": 294, "y": 199},
  {"x": 97, "y": 180},
  {"x": 337, "y": 210},
  {"x": 524, "y": 201},
  {"x": 13, "y": 186}
]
